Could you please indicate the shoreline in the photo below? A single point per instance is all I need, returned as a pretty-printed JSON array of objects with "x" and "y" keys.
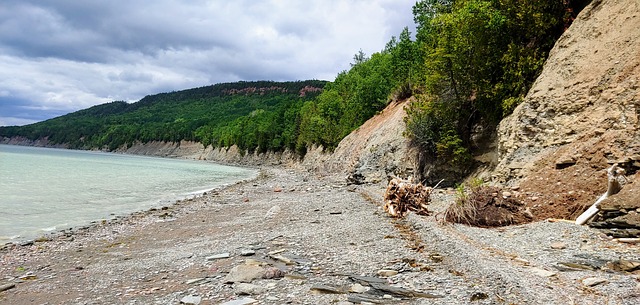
[
  {"x": 54, "y": 233},
  {"x": 323, "y": 236},
  {"x": 42, "y": 234}
]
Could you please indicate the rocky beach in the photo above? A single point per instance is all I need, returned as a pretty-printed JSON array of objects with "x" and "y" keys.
[{"x": 293, "y": 237}]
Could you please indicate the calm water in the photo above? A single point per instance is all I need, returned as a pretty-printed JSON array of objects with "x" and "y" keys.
[{"x": 44, "y": 189}]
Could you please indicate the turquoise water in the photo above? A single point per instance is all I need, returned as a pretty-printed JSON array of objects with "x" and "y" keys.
[{"x": 45, "y": 189}]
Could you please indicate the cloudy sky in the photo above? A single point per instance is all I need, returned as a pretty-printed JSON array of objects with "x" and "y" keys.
[{"x": 58, "y": 56}]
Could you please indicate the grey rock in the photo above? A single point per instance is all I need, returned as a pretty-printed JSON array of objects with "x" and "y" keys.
[
  {"x": 387, "y": 273},
  {"x": 243, "y": 301},
  {"x": 191, "y": 300},
  {"x": 593, "y": 281},
  {"x": 542, "y": 272},
  {"x": 244, "y": 273},
  {"x": 196, "y": 281},
  {"x": 326, "y": 289},
  {"x": 218, "y": 256},
  {"x": 7, "y": 287},
  {"x": 247, "y": 252},
  {"x": 248, "y": 289},
  {"x": 273, "y": 211}
]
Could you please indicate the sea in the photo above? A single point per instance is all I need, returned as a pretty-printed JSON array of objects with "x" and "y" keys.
[{"x": 46, "y": 189}]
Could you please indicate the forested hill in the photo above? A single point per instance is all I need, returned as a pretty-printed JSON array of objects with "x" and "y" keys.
[{"x": 261, "y": 115}]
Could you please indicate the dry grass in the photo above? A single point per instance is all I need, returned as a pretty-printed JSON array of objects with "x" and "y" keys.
[{"x": 484, "y": 206}]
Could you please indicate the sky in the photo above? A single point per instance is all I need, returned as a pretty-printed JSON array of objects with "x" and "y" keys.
[{"x": 59, "y": 56}]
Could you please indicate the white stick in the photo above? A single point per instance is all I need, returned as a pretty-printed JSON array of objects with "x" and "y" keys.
[{"x": 613, "y": 187}]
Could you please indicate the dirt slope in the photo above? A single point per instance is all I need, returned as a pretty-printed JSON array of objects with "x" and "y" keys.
[
  {"x": 581, "y": 115},
  {"x": 372, "y": 152}
]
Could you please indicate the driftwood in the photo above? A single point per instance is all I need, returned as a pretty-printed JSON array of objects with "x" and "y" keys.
[
  {"x": 403, "y": 196},
  {"x": 616, "y": 179}
]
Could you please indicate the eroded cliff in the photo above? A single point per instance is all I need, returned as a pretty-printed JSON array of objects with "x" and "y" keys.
[{"x": 580, "y": 116}]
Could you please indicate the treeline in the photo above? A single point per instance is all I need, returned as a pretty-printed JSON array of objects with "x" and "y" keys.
[{"x": 253, "y": 115}]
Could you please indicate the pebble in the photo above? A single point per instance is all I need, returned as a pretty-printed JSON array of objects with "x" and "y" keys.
[
  {"x": 357, "y": 288},
  {"x": 218, "y": 256},
  {"x": 593, "y": 281},
  {"x": 247, "y": 252},
  {"x": 542, "y": 272},
  {"x": 249, "y": 289},
  {"x": 558, "y": 245},
  {"x": 387, "y": 273},
  {"x": 242, "y": 301},
  {"x": 7, "y": 287},
  {"x": 273, "y": 211},
  {"x": 195, "y": 281},
  {"x": 191, "y": 300},
  {"x": 244, "y": 273}
]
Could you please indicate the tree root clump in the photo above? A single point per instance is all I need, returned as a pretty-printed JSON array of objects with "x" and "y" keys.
[{"x": 403, "y": 196}]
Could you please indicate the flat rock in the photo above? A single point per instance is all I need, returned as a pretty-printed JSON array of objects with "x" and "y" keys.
[
  {"x": 382, "y": 289},
  {"x": 242, "y": 301},
  {"x": 542, "y": 272},
  {"x": 558, "y": 245},
  {"x": 326, "y": 289},
  {"x": 248, "y": 289},
  {"x": 196, "y": 281},
  {"x": 247, "y": 252},
  {"x": 218, "y": 256},
  {"x": 593, "y": 281},
  {"x": 191, "y": 300},
  {"x": 387, "y": 272},
  {"x": 7, "y": 287},
  {"x": 244, "y": 274},
  {"x": 357, "y": 288},
  {"x": 273, "y": 211}
]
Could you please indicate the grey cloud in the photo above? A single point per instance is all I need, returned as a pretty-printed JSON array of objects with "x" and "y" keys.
[{"x": 63, "y": 55}]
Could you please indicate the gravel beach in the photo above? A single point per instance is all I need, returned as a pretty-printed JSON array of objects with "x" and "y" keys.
[{"x": 292, "y": 237}]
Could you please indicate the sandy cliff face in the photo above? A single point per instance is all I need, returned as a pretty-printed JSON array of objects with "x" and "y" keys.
[
  {"x": 582, "y": 113},
  {"x": 371, "y": 153}
]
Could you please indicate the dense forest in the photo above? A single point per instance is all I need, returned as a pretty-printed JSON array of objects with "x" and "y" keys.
[
  {"x": 469, "y": 64},
  {"x": 253, "y": 115}
]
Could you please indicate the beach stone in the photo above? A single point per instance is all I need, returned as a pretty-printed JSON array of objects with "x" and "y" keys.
[
  {"x": 326, "y": 289},
  {"x": 272, "y": 273},
  {"x": 593, "y": 281},
  {"x": 247, "y": 252},
  {"x": 7, "y": 287},
  {"x": 273, "y": 211},
  {"x": 387, "y": 273},
  {"x": 479, "y": 296},
  {"x": 244, "y": 273},
  {"x": 558, "y": 245},
  {"x": 195, "y": 281},
  {"x": 242, "y": 301},
  {"x": 218, "y": 256},
  {"x": 248, "y": 289},
  {"x": 191, "y": 300},
  {"x": 357, "y": 288},
  {"x": 542, "y": 272}
]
